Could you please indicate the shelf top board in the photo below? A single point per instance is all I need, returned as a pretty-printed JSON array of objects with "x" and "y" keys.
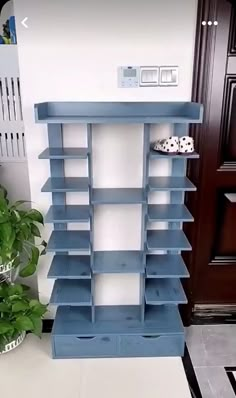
[
  {"x": 162, "y": 155},
  {"x": 170, "y": 183},
  {"x": 164, "y": 291},
  {"x": 118, "y": 196},
  {"x": 67, "y": 214},
  {"x": 118, "y": 112},
  {"x": 61, "y": 241},
  {"x": 166, "y": 266},
  {"x": 70, "y": 267},
  {"x": 167, "y": 239},
  {"x": 169, "y": 212},
  {"x": 118, "y": 262},
  {"x": 66, "y": 184},
  {"x": 71, "y": 292},
  {"x": 117, "y": 320},
  {"x": 64, "y": 153}
]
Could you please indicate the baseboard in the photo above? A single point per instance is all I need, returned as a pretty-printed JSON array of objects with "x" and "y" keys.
[{"x": 213, "y": 315}]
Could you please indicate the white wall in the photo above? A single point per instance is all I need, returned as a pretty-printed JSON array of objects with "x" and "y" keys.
[{"x": 71, "y": 52}]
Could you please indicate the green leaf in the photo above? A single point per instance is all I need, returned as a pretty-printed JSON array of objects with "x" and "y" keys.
[
  {"x": 35, "y": 215},
  {"x": 4, "y": 308},
  {"x": 35, "y": 231},
  {"x": 5, "y": 327},
  {"x": 23, "y": 323},
  {"x": 38, "y": 308},
  {"x": 16, "y": 262},
  {"x": 15, "y": 290},
  {"x": 28, "y": 270},
  {"x": 18, "y": 245},
  {"x": 20, "y": 306},
  {"x": 25, "y": 287},
  {"x": 38, "y": 325},
  {"x": 35, "y": 255},
  {"x": 6, "y": 231},
  {"x": 3, "y": 192},
  {"x": 3, "y": 290},
  {"x": 26, "y": 231}
]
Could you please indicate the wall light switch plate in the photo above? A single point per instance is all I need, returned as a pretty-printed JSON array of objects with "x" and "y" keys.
[
  {"x": 149, "y": 76},
  {"x": 169, "y": 76}
]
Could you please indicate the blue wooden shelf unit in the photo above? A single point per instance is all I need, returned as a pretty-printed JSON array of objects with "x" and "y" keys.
[{"x": 81, "y": 328}]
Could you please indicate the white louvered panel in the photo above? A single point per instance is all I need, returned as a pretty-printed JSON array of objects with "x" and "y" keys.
[{"x": 12, "y": 146}]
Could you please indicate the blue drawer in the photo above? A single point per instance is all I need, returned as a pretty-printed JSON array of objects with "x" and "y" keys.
[
  {"x": 151, "y": 346},
  {"x": 84, "y": 347}
]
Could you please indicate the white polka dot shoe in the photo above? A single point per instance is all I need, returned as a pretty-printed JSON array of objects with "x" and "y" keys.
[
  {"x": 168, "y": 145},
  {"x": 186, "y": 145}
]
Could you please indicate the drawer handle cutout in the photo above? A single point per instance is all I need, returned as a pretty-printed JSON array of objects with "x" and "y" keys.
[
  {"x": 86, "y": 338},
  {"x": 151, "y": 337}
]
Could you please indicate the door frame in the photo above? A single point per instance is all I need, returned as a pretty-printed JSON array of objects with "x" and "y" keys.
[{"x": 202, "y": 80}]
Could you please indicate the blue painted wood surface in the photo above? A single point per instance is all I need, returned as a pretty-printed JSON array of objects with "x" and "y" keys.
[
  {"x": 67, "y": 213},
  {"x": 159, "y": 155},
  {"x": 164, "y": 291},
  {"x": 66, "y": 184},
  {"x": 164, "y": 239},
  {"x": 64, "y": 153},
  {"x": 118, "y": 262},
  {"x": 166, "y": 266},
  {"x": 70, "y": 267},
  {"x": 71, "y": 292},
  {"x": 169, "y": 212},
  {"x": 118, "y": 196},
  {"x": 170, "y": 184},
  {"x": 118, "y": 112},
  {"x": 69, "y": 241},
  {"x": 117, "y": 320}
]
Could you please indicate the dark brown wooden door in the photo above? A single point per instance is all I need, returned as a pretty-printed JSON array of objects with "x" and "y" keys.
[{"x": 214, "y": 238}]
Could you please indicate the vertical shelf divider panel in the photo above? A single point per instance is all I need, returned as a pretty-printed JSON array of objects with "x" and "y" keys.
[
  {"x": 91, "y": 212},
  {"x": 146, "y": 152},
  {"x": 81, "y": 328}
]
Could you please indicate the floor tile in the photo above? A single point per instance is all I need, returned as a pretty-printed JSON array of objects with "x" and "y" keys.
[
  {"x": 134, "y": 378},
  {"x": 29, "y": 372},
  {"x": 212, "y": 345},
  {"x": 214, "y": 382}
]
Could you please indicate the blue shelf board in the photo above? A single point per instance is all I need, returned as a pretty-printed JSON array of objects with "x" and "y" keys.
[
  {"x": 117, "y": 320},
  {"x": 165, "y": 266},
  {"x": 71, "y": 292},
  {"x": 118, "y": 196},
  {"x": 66, "y": 184},
  {"x": 118, "y": 262},
  {"x": 64, "y": 153},
  {"x": 164, "y": 291},
  {"x": 61, "y": 241},
  {"x": 70, "y": 267},
  {"x": 67, "y": 214},
  {"x": 169, "y": 212},
  {"x": 170, "y": 184},
  {"x": 162, "y": 155},
  {"x": 118, "y": 112},
  {"x": 165, "y": 239}
]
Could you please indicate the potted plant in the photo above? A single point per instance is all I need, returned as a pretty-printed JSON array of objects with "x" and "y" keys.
[
  {"x": 18, "y": 228},
  {"x": 18, "y": 315},
  {"x": 18, "y": 312}
]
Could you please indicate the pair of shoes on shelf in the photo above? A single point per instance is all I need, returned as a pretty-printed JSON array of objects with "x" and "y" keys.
[{"x": 174, "y": 145}]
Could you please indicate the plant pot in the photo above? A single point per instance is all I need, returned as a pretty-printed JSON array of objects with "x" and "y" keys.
[
  {"x": 6, "y": 267},
  {"x": 13, "y": 344}
]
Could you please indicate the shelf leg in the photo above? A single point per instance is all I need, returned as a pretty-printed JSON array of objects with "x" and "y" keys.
[
  {"x": 91, "y": 215},
  {"x": 146, "y": 151}
]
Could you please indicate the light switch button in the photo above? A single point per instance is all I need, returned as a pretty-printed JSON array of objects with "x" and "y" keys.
[
  {"x": 149, "y": 76},
  {"x": 168, "y": 76}
]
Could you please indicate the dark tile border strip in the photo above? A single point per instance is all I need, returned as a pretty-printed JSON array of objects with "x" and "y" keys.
[
  {"x": 191, "y": 376},
  {"x": 229, "y": 372}
]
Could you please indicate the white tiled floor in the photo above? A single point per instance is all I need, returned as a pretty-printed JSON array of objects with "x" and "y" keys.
[{"x": 29, "y": 372}]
